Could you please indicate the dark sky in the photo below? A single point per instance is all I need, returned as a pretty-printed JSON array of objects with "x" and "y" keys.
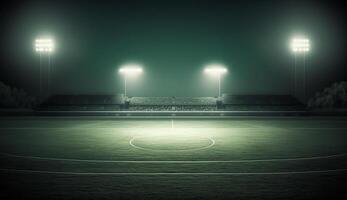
[{"x": 173, "y": 40}]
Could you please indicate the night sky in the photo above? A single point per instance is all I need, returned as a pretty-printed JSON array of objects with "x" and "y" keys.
[{"x": 173, "y": 40}]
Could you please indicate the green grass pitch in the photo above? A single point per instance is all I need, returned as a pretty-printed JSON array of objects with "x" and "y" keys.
[{"x": 109, "y": 158}]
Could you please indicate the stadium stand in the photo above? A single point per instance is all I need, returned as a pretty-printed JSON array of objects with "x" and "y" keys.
[
  {"x": 172, "y": 103},
  {"x": 83, "y": 102},
  {"x": 120, "y": 103},
  {"x": 261, "y": 102}
]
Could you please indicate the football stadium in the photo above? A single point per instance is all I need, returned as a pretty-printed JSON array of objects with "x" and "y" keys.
[{"x": 175, "y": 100}]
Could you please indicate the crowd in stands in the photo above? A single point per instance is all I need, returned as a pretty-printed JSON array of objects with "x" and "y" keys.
[
  {"x": 173, "y": 108},
  {"x": 173, "y": 101},
  {"x": 119, "y": 103},
  {"x": 331, "y": 97},
  {"x": 15, "y": 98},
  {"x": 334, "y": 96}
]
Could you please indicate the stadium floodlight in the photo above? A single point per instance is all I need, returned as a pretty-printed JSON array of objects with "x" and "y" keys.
[
  {"x": 129, "y": 70},
  {"x": 300, "y": 45},
  {"x": 216, "y": 70},
  {"x": 44, "y": 45}
]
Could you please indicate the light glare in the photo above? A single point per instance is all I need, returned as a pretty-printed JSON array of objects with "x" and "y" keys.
[
  {"x": 215, "y": 69},
  {"x": 300, "y": 45},
  {"x": 44, "y": 45},
  {"x": 131, "y": 69}
]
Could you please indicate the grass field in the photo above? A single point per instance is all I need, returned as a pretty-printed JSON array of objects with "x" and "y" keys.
[{"x": 240, "y": 158}]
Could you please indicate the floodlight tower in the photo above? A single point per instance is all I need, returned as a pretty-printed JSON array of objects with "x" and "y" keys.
[
  {"x": 300, "y": 46},
  {"x": 216, "y": 70},
  {"x": 128, "y": 70},
  {"x": 44, "y": 46}
]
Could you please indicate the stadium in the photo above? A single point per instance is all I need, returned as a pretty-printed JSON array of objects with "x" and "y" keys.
[{"x": 175, "y": 100}]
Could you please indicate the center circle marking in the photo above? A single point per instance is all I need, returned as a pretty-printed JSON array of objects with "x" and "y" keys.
[{"x": 172, "y": 145}]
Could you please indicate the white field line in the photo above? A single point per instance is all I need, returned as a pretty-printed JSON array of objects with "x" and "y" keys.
[
  {"x": 172, "y": 173},
  {"x": 173, "y": 112},
  {"x": 212, "y": 143},
  {"x": 176, "y": 161},
  {"x": 232, "y": 128}
]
